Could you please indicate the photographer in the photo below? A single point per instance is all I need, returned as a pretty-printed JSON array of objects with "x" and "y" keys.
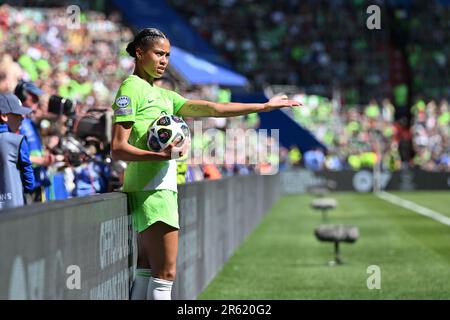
[
  {"x": 81, "y": 141},
  {"x": 92, "y": 174},
  {"x": 41, "y": 158}
]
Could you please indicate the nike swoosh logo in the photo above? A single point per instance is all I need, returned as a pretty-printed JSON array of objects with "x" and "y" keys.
[{"x": 150, "y": 100}]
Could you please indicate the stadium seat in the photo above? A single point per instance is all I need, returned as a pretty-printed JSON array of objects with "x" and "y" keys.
[{"x": 337, "y": 233}]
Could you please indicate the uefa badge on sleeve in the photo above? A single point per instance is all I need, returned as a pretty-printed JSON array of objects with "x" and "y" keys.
[{"x": 123, "y": 101}]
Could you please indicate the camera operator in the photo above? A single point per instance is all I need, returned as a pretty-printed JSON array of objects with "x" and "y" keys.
[
  {"x": 81, "y": 142},
  {"x": 91, "y": 176},
  {"x": 29, "y": 93}
]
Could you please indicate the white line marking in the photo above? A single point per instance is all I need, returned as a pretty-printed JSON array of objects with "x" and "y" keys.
[{"x": 413, "y": 207}]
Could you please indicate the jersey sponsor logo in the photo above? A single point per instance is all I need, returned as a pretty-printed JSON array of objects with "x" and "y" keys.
[
  {"x": 123, "y": 112},
  {"x": 123, "y": 101}
]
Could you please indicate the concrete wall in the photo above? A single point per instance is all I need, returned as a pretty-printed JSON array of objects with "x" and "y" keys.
[
  {"x": 84, "y": 248},
  {"x": 298, "y": 181},
  {"x": 215, "y": 217},
  {"x": 74, "y": 249}
]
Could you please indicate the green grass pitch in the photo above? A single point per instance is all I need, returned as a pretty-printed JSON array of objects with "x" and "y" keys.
[{"x": 282, "y": 259}]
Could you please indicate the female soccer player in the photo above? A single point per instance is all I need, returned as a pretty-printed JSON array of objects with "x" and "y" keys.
[{"x": 150, "y": 178}]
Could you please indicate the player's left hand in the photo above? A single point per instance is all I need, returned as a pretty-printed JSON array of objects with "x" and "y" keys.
[
  {"x": 278, "y": 102},
  {"x": 180, "y": 152}
]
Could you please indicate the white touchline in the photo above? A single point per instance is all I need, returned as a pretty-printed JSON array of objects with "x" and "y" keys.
[{"x": 413, "y": 207}]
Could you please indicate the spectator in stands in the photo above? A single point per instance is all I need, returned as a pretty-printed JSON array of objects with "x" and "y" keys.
[
  {"x": 150, "y": 178},
  {"x": 10, "y": 73},
  {"x": 314, "y": 159},
  {"x": 16, "y": 173},
  {"x": 294, "y": 156},
  {"x": 333, "y": 162},
  {"x": 91, "y": 176},
  {"x": 293, "y": 42},
  {"x": 194, "y": 173},
  {"x": 41, "y": 158},
  {"x": 3, "y": 82},
  {"x": 211, "y": 172}
]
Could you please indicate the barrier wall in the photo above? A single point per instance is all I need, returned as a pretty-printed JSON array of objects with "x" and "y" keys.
[
  {"x": 85, "y": 248},
  {"x": 215, "y": 218},
  {"x": 298, "y": 181},
  {"x": 74, "y": 249}
]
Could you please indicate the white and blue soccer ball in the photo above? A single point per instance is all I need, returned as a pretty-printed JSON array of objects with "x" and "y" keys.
[{"x": 165, "y": 130}]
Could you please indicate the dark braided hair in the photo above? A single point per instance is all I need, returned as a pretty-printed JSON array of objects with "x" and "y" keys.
[{"x": 144, "y": 39}]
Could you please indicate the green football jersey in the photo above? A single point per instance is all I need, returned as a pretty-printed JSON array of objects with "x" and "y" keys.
[{"x": 139, "y": 102}]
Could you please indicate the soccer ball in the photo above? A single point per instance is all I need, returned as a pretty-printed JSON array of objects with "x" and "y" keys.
[{"x": 165, "y": 130}]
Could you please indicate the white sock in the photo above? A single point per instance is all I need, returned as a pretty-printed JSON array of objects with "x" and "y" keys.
[
  {"x": 159, "y": 289},
  {"x": 140, "y": 284}
]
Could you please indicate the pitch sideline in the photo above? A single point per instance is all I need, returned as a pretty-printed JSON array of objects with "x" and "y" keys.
[{"x": 413, "y": 207}]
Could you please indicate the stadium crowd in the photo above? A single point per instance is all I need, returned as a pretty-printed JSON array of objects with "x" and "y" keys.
[
  {"x": 358, "y": 137},
  {"x": 322, "y": 51},
  {"x": 319, "y": 49},
  {"x": 40, "y": 47},
  {"x": 292, "y": 42}
]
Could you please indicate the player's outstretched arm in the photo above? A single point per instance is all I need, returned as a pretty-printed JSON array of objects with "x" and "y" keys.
[{"x": 202, "y": 108}]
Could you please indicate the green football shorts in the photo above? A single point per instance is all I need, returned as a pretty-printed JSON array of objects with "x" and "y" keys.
[{"x": 148, "y": 207}]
